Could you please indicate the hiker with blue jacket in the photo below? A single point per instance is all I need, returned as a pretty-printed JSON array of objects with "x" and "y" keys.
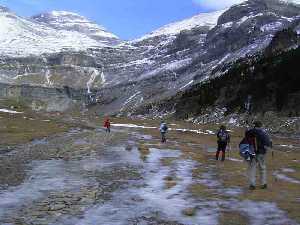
[
  {"x": 260, "y": 142},
  {"x": 223, "y": 139},
  {"x": 163, "y": 130}
]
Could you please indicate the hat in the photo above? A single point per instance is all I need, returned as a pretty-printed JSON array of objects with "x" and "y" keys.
[
  {"x": 257, "y": 124},
  {"x": 223, "y": 127}
]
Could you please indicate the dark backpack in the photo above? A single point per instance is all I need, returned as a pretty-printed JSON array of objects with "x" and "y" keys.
[{"x": 223, "y": 136}]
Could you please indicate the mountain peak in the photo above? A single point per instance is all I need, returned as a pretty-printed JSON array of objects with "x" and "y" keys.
[
  {"x": 64, "y": 13},
  {"x": 4, "y": 9},
  {"x": 201, "y": 20},
  {"x": 70, "y": 21}
]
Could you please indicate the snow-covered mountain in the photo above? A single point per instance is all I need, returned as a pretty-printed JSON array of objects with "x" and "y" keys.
[
  {"x": 69, "y": 21},
  {"x": 208, "y": 20},
  {"x": 291, "y": 1},
  {"x": 154, "y": 67},
  {"x": 23, "y": 37}
]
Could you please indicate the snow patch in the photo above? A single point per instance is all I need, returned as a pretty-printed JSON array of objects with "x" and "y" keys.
[
  {"x": 204, "y": 19},
  {"x": 131, "y": 126},
  {"x": 288, "y": 170},
  {"x": 9, "y": 111},
  {"x": 186, "y": 85},
  {"x": 93, "y": 75},
  {"x": 284, "y": 177},
  {"x": 272, "y": 27}
]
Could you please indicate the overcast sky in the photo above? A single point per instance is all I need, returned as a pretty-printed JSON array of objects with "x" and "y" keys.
[{"x": 126, "y": 18}]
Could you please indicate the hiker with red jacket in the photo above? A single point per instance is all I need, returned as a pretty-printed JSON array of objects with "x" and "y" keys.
[
  {"x": 223, "y": 139},
  {"x": 107, "y": 125}
]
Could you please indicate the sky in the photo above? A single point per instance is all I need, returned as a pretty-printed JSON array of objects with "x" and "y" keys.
[{"x": 128, "y": 19}]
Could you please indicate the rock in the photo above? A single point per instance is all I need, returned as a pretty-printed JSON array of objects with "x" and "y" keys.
[
  {"x": 189, "y": 212},
  {"x": 57, "y": 207}
]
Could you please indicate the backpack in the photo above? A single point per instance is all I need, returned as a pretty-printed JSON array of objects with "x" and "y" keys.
[
  {"x": 247, "y": 150},
  {"x": 223, "y": 136},
  {"x": 164, "y": 128}
]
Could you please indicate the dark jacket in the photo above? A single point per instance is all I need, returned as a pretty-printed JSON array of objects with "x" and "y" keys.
[
  {"x": 262, "y": 140},
  {"x": 223, "y": 136}
]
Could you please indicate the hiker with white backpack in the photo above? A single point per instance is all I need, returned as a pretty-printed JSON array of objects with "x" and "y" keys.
[
  {"x": 163, "y": 130},
  {"x": 253, "y": 148}
]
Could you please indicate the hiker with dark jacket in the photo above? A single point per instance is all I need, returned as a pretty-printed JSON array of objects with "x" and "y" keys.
[
  {"x": 261, "y": 142},
  {"x": 223, "y": 139},
  {"x": 107, "y": 125},
  {"x": 163, "y": 130}
]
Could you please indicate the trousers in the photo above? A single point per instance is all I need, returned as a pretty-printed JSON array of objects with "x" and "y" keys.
[{"x": 261, "y": 162}]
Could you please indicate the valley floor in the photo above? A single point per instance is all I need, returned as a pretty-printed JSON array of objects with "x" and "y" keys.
[{"x": 67, "y": 171}]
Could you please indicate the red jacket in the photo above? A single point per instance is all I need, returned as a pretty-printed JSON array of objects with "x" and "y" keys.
[{"x": 107, "y": 123}]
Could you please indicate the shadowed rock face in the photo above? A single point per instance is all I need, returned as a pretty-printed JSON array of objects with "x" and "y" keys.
[
  {"x": 46, "y": 99},
  {"x": 150, "y": 69}
]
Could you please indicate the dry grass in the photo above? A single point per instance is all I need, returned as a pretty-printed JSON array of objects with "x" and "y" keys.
[
  {"x": 15, "y": 129},
  {"x": 233, "y": 218}
]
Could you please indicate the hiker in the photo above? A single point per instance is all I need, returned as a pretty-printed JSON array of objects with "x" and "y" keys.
[
  {"x": 163, "y": 130},
  {"x": 259, "y": 141},
  {"x": 107, "y": 125},
  {"x": 223, "y": 139}
]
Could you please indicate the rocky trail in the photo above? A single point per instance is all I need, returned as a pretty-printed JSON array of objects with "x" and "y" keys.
[{"x": 88, "y": 177}]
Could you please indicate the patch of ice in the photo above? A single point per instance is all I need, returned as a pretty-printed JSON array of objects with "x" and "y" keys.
[
  {"x": 287, "y": 146},
  {"x": 152, "y": 199},
  {"x": 288, "y": 170},
  {"x": 9, "y": 111},
  {"x": 210, "y": 132},
  {"x": 231, "y": 191},
  {"x": 192, "y": 131},
  {"x": 46, "y": 176},
  {"x": 143, "y": 136},
  {"x": 262, "y": 213},
  {"x": 286, "y": 178},
  {"x": 235, "y": 160},
  {"x": 208, "y": 180}
]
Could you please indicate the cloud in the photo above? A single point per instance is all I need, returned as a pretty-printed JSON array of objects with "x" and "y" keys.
[{"x": 216, "y": 4}]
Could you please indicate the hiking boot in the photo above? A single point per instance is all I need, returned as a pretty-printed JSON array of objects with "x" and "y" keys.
[
  {"x": 265, "y": 186},
  {"x": 252, "y": 187}
]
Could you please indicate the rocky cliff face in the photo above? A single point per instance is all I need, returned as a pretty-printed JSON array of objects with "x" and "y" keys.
[
  {"x": 130, "y": 74},
  {"x": 44, "y": 99},
  {"x": 73, "y": 69}
]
